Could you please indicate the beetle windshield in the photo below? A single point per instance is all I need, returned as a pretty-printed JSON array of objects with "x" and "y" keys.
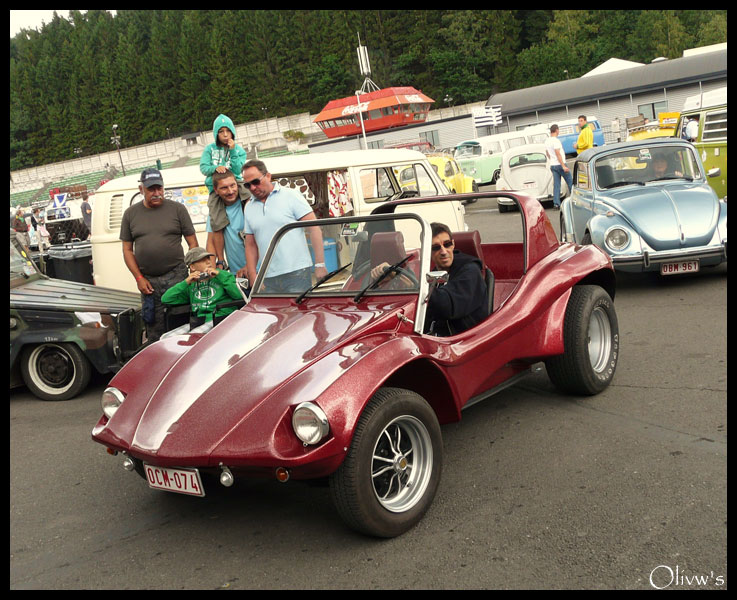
[
  {"x": 352, "y": 255},
  {"x": 643, "y": 165}
]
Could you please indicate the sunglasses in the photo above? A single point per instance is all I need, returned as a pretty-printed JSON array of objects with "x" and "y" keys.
[
  {"x": 253, "y": 182},
  {"x": 446, "y": 244}
]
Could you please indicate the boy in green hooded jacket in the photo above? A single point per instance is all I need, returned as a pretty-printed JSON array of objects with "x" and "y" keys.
[{"x": 222, "y": 155}]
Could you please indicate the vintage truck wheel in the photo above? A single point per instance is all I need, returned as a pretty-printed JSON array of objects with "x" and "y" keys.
[
  {"x": 54, "y": 371},
  {"x": 392, "y": 470},
  {"x": 591, "y": 339}
]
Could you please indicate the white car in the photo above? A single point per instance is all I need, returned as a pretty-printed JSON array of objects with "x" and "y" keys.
[{"x": 524, "y": 169}]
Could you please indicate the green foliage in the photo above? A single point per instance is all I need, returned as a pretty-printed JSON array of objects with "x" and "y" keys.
[{"x": 149, "y": 71}]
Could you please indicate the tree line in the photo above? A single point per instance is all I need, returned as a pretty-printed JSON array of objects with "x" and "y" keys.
[{"x": 164, "y": 73}]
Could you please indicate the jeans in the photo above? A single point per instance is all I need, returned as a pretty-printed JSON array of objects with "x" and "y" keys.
[
  {"x": 152, "y": 302},
  {"x": 558, "y": 172},
  {"x": 295, "y": 282}
]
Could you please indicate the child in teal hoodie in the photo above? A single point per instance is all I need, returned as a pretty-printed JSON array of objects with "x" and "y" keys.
[
  {"x": 222, "y": 155},
  {"x": 204, "y": 288}
]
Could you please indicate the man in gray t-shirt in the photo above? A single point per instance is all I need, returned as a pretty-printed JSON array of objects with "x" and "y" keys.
[{"x": 151, "y": 232}]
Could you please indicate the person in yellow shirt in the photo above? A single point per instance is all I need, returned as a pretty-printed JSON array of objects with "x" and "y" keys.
[{"x": 585, "y": 137}]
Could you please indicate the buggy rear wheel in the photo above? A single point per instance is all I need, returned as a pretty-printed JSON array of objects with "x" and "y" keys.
[{"x": 591, "y": 341}]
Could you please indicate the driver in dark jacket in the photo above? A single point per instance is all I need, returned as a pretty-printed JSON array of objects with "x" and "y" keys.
[{"x": 462, "y": 302}]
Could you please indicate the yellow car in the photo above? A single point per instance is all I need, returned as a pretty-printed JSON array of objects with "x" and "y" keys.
[
  {"x": 665, "y": 126},
  {"x": 454, "y": 179}
]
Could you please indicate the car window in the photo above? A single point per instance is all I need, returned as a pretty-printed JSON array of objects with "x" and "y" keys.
[
  {"x": 425, "y": 183},
  {"x": 581, "y": 176},
  {"x": 715, "y": 126},
  {"x": 531, "y": 158},
  {"x": 416, "y": 178},
  {"x": 20, "y": 265},
  {"x": 494, "y": 148},
  {"x": 642, "y": 165},
  {"x": 468, "y": 151},
  {"x": 376, "y": 184},
  {"x": 298, "y": 183},
  {"x": 514, "y": 142}
]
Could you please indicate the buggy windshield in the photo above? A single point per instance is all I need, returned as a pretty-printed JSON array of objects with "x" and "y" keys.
[{"x": 352, "y": 255}]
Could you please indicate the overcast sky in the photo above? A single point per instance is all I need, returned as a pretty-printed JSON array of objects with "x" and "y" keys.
[{"x": 33, "y": 19}]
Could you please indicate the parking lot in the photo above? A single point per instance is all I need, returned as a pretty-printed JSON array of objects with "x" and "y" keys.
[{"x": 623, "y": 490}]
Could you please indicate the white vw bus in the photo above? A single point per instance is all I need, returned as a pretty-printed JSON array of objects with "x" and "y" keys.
[{"x": 334, "y": 184}]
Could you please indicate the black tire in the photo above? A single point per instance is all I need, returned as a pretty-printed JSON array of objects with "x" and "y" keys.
[
  {"x": 55, "y": 371},
  {"x": 380, "y": 489},
  {"x": 591, "y": 339}
]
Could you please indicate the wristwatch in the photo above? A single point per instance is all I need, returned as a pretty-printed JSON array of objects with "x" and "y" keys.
[
  {"x": 222, "y": 264},
  {"x": 320, "y": 265}
]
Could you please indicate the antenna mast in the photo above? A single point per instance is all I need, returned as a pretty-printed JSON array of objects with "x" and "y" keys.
[{"x": 365, "y": 67}]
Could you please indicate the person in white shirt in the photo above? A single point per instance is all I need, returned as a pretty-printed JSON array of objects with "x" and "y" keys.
[
  {"x": 557, "y": 164},
  {"x": 691, "y": 131}
]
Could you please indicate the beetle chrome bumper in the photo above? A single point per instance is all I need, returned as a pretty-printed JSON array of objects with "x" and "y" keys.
[{"x": 715, "y": 254}]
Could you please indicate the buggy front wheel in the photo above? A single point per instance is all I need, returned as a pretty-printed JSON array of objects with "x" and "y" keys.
[{"x": 391, "y": 472}]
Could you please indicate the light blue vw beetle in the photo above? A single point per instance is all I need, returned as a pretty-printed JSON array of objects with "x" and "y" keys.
[{"x": 647, "y": 204}]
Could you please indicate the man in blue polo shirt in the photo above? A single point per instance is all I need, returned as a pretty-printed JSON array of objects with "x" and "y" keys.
[{"x": 271, "y": 208}]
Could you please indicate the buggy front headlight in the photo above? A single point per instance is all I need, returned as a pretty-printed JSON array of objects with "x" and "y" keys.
[
  {"x": 310, "y": 423},
  {"x": 112, "y": 398}
]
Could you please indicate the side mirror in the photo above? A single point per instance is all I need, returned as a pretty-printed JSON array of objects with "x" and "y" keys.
[
  {"x": 715, "y": 172},
  {"x": 435, "y": 279}
]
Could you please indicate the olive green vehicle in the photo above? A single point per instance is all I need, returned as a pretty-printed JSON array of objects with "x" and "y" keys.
[
  {"x": 61, "y": 330},
  {"x": 709, "y": 110}
]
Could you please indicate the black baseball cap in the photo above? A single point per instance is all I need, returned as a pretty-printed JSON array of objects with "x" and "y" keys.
[{"x": 151, "y": 177}]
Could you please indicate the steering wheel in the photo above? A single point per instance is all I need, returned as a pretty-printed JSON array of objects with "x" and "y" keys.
[{"x": 408, "y": 273}]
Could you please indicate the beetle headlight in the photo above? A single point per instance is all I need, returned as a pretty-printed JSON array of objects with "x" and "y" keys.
[
  {"x": 617, "y": 238},
  {"x": 112, "y": 398},
  {"x": 310, "y": 423}
]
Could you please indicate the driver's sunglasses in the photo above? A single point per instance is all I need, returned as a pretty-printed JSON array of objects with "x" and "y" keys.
[
  {"x": 446, "y": 244},
  {"x": 253, "y": 182}
]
